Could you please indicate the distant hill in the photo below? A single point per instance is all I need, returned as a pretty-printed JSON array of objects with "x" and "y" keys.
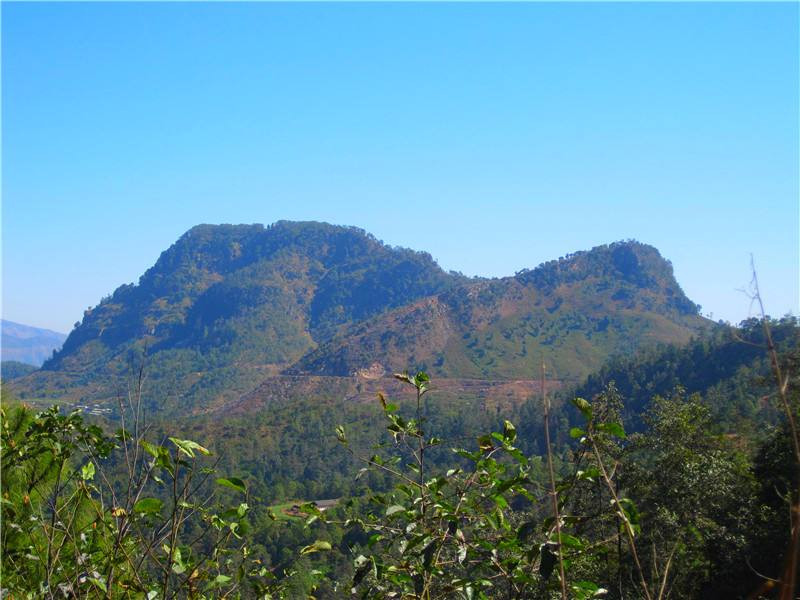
[
  {"x": 12, "y": 369},
  {"x": 229, "y": 306},
  {"x": 26, "y": 344}
]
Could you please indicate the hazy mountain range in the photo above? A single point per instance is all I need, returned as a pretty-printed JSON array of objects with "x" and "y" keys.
[{"x": 26, "y": 344}]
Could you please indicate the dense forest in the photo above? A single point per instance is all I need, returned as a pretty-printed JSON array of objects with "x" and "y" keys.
[{"x": 670, "y": 473}]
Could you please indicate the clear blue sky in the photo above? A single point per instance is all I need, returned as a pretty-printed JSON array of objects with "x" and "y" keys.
[{"x": 493, "y": 136}]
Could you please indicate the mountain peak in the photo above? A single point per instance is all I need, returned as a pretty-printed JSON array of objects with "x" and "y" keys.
[{"x": 640, "y": 265}]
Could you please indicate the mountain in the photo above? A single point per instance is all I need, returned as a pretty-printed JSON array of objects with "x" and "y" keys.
[
  {"x": 226, "y": 306},
  {"x": 573, "y": 313},
  {"x": 229, "y": 306},
  {"x": 26, "y": 344}
]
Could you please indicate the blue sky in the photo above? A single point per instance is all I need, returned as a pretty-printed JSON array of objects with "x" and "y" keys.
[{"x": 493, "y": 136}]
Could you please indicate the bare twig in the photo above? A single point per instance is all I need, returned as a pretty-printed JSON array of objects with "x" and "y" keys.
[
  {"x": 789, "y": 575},
  {"x": 553, "y": 491},
  {"x": 621, "y": 512}
]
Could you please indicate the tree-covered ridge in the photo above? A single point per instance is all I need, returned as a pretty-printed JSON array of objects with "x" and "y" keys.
[
  {"x": 576, "y": 311},
  {"x": 227, "y": 305},
  {"x": 218, "y": 272},
  {"x": 282, "y": 433},
  {"x": 727, "y": 366},
  {"x": 12, "y": 369},
  {"x": 702, "y": 494},
  {"x": 627, "y": 262}
]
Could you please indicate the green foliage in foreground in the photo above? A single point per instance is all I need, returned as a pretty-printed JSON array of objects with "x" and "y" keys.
[
  {"x": 74, "y": 527},
  {"x": 447, "y": 534},
  {"x": 675, "y": 510}
]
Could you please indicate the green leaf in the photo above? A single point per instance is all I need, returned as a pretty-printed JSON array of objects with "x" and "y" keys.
[
  {"x": 590, "y": 474},
  {"x": 614, "y": 429},
  {"x": 394, "y": 508},
  {"x": 151, "y": 449},
  {"x": 629, "y": 510},
  {"x": 160, "y": 453},
  {"x": 509, "y": 432},
  {"x": 234, "y": 483},
  {"x": 570, "y": 541},
  {"x": 148, "y": 506},
  {"x": 318, "y": 546},
  {"x": 582, "y": 590},
  {"x": 188, "y": 447},
  {"x": 576, "y": 432},
  {"x": 583, "y": 406},
  {"x": 500, "y": 501},
  {"x": 87, "y": 472}
]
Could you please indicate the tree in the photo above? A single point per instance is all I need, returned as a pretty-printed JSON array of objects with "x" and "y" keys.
[{"x": 96, "y": 516}]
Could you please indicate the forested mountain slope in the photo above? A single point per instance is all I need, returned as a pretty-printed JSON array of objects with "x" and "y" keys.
[
  {"x": 729, "y": 368},
  {"x": 229, "y": 306},
  {"x": 573, "y": 313}
]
